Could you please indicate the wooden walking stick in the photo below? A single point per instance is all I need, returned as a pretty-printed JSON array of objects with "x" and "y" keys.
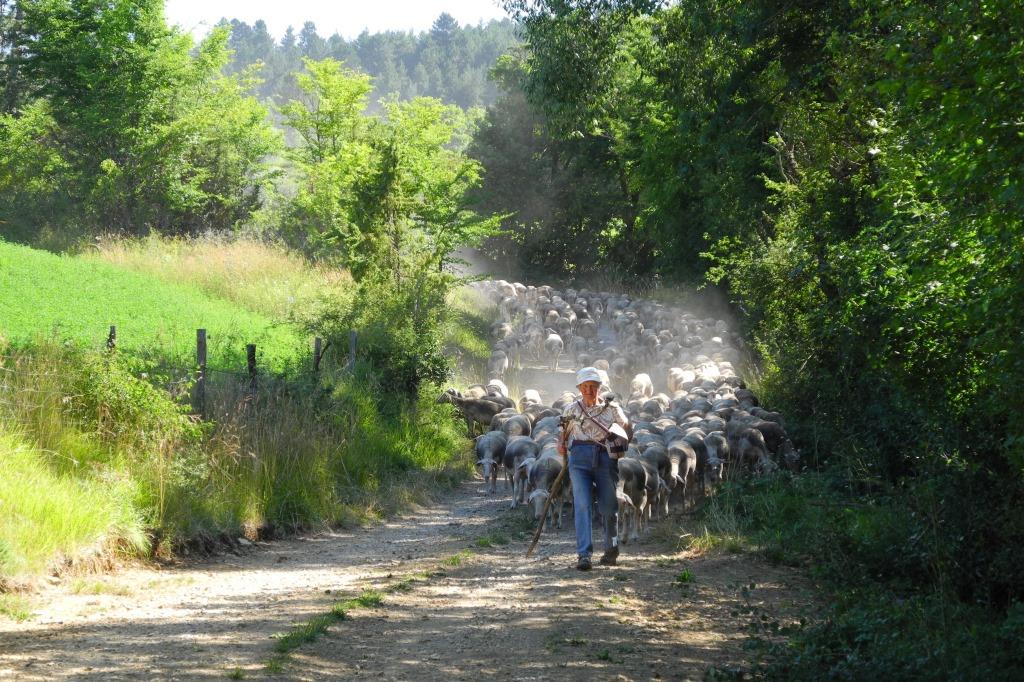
[{"x": 556, "y": 489}]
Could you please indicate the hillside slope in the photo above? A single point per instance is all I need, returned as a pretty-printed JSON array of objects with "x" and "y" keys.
[{"x": 75, "y": 298}]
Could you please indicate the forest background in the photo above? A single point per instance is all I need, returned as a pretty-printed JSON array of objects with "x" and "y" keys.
[{"x": 848, "y": 174}]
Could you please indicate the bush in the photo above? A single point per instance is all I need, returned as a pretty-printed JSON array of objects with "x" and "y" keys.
[
  {"x": 874, "y": 634},
  {"x": 918, "y": 576},
  {"x": 106, "y": 457}
]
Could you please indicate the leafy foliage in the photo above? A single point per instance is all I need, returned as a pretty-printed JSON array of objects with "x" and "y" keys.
[
  {"x": 130, "y": 130},
  {"x": 848, "y": 173},
  {"x": 386, "y": 196}
]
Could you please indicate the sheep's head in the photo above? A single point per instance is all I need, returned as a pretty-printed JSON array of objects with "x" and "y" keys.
[
  {"x": 766, "y": 466},
  {"x": 714, "y": 471},
  {"x": 487, "y": 466},
  {"x": 537, "y": 500},
  {"x": 523, "y": 468},
  {"x": 448, "y": 396}
]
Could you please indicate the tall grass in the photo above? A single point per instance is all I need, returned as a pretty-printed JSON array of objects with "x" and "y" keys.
[
  {"x": 254, "y": 275},
  {"x": 286, "y": 458},
  {"x": 93, "y": 456},
  {"x": 47, "y": 516},
  {"x": 84, "y": 456}
]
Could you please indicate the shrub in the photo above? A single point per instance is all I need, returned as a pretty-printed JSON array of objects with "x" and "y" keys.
[{"x": 917, "y": 583}]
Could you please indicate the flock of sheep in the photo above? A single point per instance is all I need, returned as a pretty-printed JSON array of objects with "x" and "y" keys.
[{"x": 694, "y": 421}]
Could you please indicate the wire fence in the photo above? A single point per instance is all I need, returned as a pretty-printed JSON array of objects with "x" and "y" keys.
[{"x": 198, "y": 384}]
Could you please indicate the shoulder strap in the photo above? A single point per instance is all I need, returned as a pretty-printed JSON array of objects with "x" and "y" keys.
[{"x": 599, "y": 425}]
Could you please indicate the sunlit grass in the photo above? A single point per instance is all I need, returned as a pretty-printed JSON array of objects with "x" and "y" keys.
[
  {"x": 257, "y": 276},
  {"x": 457, "y": 559},
  {"x": 312, "y": 629},
  {"x": 45, "y": 515},
  {"x": 97, "y": 586},
  {"x": 491, "y": 540},
  {"x": 15, "y": 607},
  {"x": 154, "y": 317}
]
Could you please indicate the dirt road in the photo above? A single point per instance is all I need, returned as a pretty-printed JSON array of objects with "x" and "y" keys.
[{"x": 460, "y": 602}]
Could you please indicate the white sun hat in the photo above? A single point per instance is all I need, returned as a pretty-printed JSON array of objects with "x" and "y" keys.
[{"x": 588, "y": 374}]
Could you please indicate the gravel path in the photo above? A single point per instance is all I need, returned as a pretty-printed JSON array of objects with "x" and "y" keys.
[{"x": 460, "y": 602}]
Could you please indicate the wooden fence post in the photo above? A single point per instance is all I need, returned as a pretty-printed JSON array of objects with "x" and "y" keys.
[
  {"x": 112, "y": 338},
  {"x": 200, "y": 404},
  {"x": 351, "y": 350},
  {"x": 318, "y": 351},
  {"x": 250, "y": 358}
]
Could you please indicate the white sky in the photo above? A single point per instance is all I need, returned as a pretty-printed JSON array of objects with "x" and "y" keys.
[{"x": 346, "y": 17}]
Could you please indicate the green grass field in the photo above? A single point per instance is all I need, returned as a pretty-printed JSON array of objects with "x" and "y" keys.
[
  {"x": 255, "y": 276},
  {"x": 76, "y": 298}
]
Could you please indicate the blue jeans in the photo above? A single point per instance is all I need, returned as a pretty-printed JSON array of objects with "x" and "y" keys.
[{"x": 590, "y": 465}]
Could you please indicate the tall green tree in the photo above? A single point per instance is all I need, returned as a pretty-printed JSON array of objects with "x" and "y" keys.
[
  {"x": 13, "y": 86},
  {"x": 334, "y": 154},
  {"x": 385, "y": 193},
  {"x": 150, "y": 134},
  {"x": 386, "y": 196}
]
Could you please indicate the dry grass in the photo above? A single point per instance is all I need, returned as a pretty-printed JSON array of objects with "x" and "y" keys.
[
  {"x": 256, "y": 276},
  {"x": 98, "y": 586}
]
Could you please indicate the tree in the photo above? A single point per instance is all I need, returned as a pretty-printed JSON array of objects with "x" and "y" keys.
[
  {"x": 14, "y": 87},
  {"x": 334, "y": 154},
  {"x": 563, "y": 194},
  {"x": 444, "y": 30},
  {"x": 383, "y": 194},
  {"x": 149, "y": 135},
  {"x": 386, "y": 196},
  {"x": 311, "y": 45}
]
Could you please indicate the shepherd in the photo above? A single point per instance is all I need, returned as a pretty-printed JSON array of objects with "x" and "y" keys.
[{"x": 595, "y": 432}]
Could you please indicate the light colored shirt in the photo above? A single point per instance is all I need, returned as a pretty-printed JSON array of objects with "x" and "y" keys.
[{"x": 582, "y": 428}]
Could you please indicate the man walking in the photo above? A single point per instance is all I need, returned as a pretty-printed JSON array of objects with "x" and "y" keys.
[{"x": 588, "y": 425}]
